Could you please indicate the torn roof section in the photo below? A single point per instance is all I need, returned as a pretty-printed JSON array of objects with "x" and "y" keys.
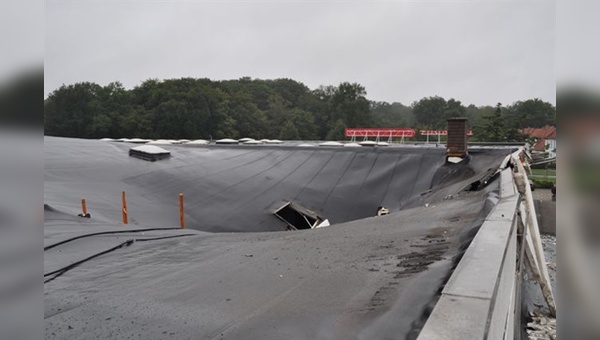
[{"x": 298, "y": 217}]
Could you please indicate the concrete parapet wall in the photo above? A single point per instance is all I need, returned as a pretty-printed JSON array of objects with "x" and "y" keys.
[{"x": 479, "y": 299}]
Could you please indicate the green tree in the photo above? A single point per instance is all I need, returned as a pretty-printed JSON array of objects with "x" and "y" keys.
[
  {"x": 350, "y": 104},
  {"x": 202, "y": 108},
  {"x": 289, "y": 132},
  {"x": 277, "y": 113},
  {"x": 70, "y": 110},
  {"x": 291, "y": 91},
  {"x": 137, "y": 123},
  {"x": 454, "y": 108},
  {"x": 101, "y": 126},
  {"x": 304, "y": 122},
  {"x": 320, "y": 105},
  {"x": 391, "y": 115},
  {"x": 477, "y": 120},
  {"x": 430, "y": 112},
  {"x": 337, "y": 131},
  {"x": 532, "y": 113},
  {"x": 493, "y": 129},
  {"x": 505, "y": 127},
  {"x": 474, "y": 115},
  {"x": 249, "y": 120}
]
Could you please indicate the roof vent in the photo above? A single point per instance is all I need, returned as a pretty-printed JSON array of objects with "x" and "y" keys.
[{"x": 149, "y": 152}]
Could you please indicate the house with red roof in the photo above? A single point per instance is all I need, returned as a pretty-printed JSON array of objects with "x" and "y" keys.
[{"x": 543, "y": 139}]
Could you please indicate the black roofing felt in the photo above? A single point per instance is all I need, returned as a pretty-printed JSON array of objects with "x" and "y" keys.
[
  {"x": 238, "y": 188},
  {"x": 363, "y": 277}
]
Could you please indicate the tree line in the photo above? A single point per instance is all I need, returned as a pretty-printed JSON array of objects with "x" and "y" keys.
[{"x": 280, "y": 108}]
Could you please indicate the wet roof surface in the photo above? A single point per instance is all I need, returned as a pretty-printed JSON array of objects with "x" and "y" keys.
[
  {"x": 237, "y": 188},
  {"x": 363, "y": 277}
]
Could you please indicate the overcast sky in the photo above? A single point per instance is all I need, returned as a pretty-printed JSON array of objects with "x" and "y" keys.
[{"x": 476, "y": 52}]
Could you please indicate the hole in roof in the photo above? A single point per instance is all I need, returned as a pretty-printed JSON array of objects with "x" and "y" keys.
[{"x": 298, "y": 217}]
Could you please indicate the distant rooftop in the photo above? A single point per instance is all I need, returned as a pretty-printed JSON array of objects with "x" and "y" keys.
[{"x": 544, "y": 132}]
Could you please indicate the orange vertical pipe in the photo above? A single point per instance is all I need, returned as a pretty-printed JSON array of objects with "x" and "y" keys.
[
  {"x": 83, "y": 206},
  {"x": 181, "y": 212},
  {"x": 124, "y": 201}
]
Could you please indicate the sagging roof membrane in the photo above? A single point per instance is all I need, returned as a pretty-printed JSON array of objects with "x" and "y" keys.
[
  {"x": 364, "y": 277},
  {"x": 238, "y": 188}
]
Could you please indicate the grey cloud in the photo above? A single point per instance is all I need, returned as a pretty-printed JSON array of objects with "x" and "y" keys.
[{"x": 479, "y": 53}]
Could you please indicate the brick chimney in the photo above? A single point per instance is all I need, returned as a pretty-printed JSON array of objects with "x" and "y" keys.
[{"x": 457, "y": 137}]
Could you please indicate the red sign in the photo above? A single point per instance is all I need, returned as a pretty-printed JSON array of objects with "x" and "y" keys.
[
  {"x": 380, "y": 132},
  {"x": 440, "y": 132}
]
